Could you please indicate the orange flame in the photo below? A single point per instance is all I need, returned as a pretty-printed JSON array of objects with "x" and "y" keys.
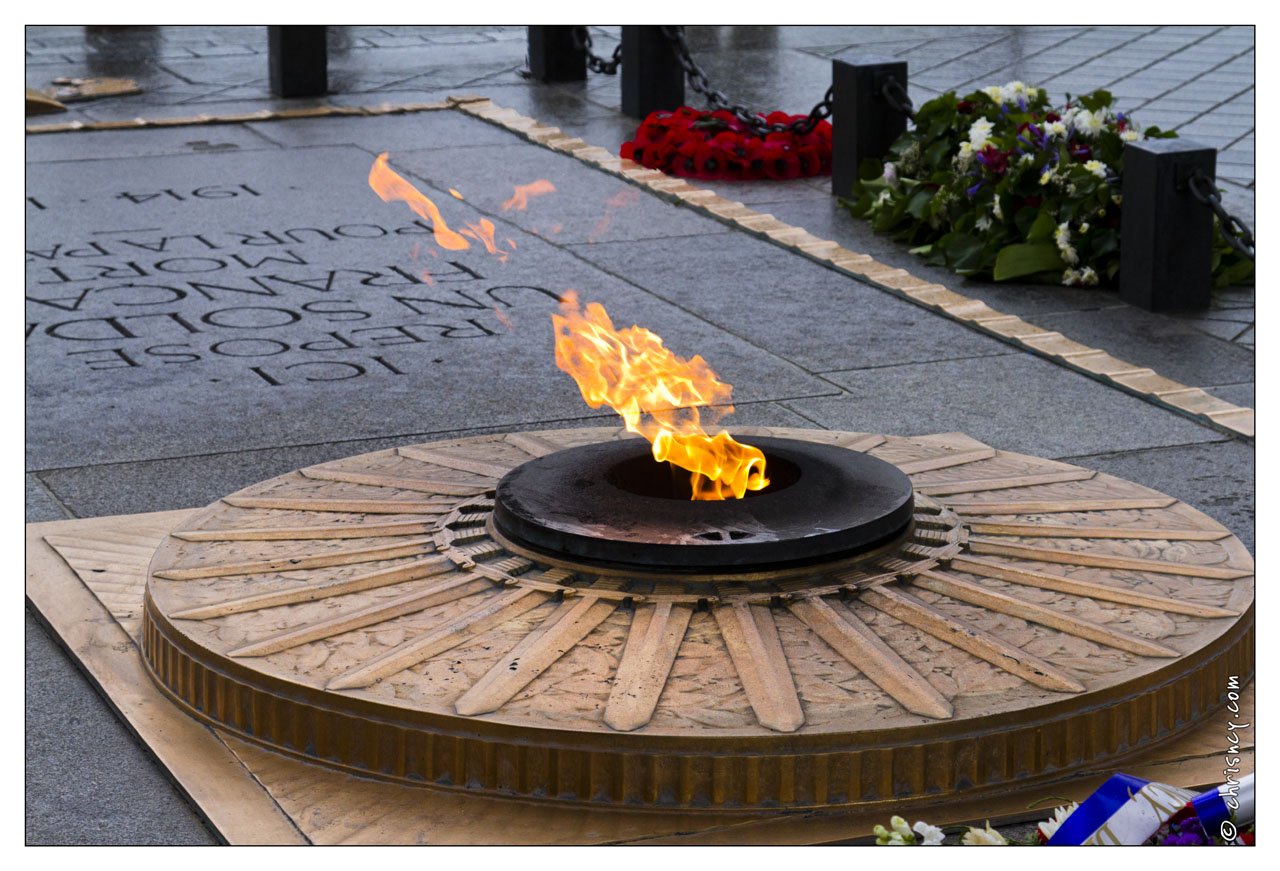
[
  {"x": 620, "y": 201},
  {"x": 658, "y": 395},
  {"x": 520, "y": 200},
  {"x": 392, "y": 187},
  {"x": 484, "y": 232}
]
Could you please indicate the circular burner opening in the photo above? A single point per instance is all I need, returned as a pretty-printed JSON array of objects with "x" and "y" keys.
[
  {"x": 645, "y": 476},
  {"x": 610, "y": 505}
]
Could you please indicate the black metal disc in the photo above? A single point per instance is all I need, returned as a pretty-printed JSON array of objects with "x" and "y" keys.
[{"x": 612, "y": 502}]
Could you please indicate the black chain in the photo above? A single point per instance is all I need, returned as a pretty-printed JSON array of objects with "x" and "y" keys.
[
  {"x": 896, "y": 96},
  {"x": 1235, "y": 231},
  {"x": 595, "y": 63},
  {"x": 717, "y": 100}
]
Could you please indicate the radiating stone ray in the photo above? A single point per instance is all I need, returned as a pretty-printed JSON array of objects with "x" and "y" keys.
[
  {"x": 1088, "y": 589},
  {"x": 1053, "y": 506},
  {"x": 756, "y": 650},
  {"x": 411, "y": 571},
  {"x": 414, "y": 547},
  {"x": 945, "y": 461},
  {"x": 438, "y": 487},
  {"x": 958, "y": 633},
  {"x": 867, "y": 652},
  {"x": 301, "y": 533},
  {"x": 438, "y": 593},
  {"x": 652, "y": 644},
  {"x": 493, "y": 611},
  {"x": 440, "y": 457},
  {"x": 531, "y": 444},
  {"x": 1051, "y": 530},
  {"x": 992, "y": 600},
  {"x": 556, "y": 636},
  {"x": 344, "y": 506},
  {"x": 979, "y": 485},
  {"x": 860, "y": 443},
  {"x": 1103, "y": 560}
]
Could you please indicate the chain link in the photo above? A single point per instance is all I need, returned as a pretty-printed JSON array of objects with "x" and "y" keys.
[
  {"x": 896, "y": 96},
  {"x": 717, "y": 100},
  {"x": 1235, "y": 231},
  {"x": 597, "y": 64}
]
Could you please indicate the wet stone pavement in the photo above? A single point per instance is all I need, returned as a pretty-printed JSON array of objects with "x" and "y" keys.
[{"x": 211, "y": 306}]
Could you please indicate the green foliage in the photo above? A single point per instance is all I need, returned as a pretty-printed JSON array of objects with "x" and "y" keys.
[{"x": 1000, "y": 185}]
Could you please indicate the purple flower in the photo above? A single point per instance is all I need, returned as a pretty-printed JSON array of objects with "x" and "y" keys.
[
  {"x": 1025, "y": 142},
  {"x": 1022, "y": 104},
  {"x": 973, "y": 190},
  {"x": 1185, "y": 839}
]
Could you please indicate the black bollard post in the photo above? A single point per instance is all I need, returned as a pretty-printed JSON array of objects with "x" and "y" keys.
[
  {"x": 652, "y": 77},
  {"x": 1165, "y": 233},
  {"x": 298, "y": 60},
  {"x": 554, "y": 56},
  {"x": 863, "y": 123}
]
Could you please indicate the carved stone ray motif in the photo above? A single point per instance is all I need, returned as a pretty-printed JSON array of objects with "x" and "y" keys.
[
  {"x": 347, "y": 557},
  {"x": 946, "y": 460},
  {"x": 1052, "y": 506},
  {"x": 533, "y": 445},
  {"x": 1051, "y": 530},
  {"x": 343, "y": 506},
  {"x": 300, "y": 533},
  {"x": 554, "y": 715},
  {"x": 422, "y": 568},
  {"x": 493, "y": 611},
  {"x": 978, "y": 485},
  {"x": 1103, "y": 560},
  {"x": 976, "y": 594},
  {"x": 967, "y": 637},
  {"x": 752, "y": 638},
  {"x": 442, "y": 591},
  {"x": 450, "y": 460},
  {"x": 1088, "y": 589},
  {"x": 569, "y": 624},
  {"x": 419, "y": 485},
  {"x": 652, "y": 643},
  {"x": 865, "y": 651}
]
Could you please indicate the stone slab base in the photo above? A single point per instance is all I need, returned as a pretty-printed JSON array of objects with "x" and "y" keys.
[{"x": 89, "y": 593}]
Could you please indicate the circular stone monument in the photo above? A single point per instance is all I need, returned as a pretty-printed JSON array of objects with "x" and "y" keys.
[{"x": 1030, "y": 619}]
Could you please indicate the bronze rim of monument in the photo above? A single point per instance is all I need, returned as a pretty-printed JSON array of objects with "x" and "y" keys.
[{"x": 1037, "y": 618}]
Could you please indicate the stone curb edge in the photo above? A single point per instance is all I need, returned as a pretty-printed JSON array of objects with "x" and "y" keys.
[
  {"x": 243, "y": 117},
  {"x": 1145, "y": 383}
]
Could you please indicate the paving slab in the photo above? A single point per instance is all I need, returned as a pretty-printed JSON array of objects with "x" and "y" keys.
[
  {"x": 295, "y": 312},
  {"x": 123, "y": 796},
  {"x": 830, "y": 220},
  {"x": 135, "y": 144},
  {"x": 41, "y": 504},
  {"x": 391, "y": 133},
  {"x": 1175, "y": 348},
  {"x": 1018, "y": 402},
  {"x": 587, "y": 205},
  {"x": 801, "y": 311},
  {"x": 192, "y": 481}
]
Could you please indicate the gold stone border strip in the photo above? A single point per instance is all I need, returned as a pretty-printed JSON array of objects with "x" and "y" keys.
[
  {"x": 326, "y": 111},
  {"x": 1139, "y": 381},
  {"x": 1145, "y": 383}
]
